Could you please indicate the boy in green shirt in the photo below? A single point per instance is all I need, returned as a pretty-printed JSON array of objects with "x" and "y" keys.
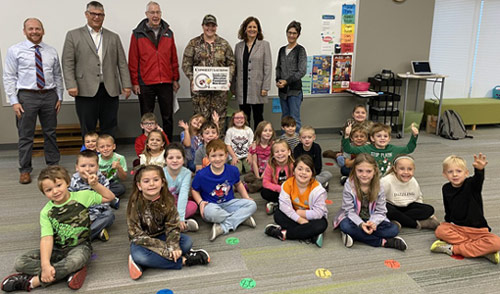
[
  {"x": 111, "y": 164},
  {"x": 65, "y": 234},
  {"x": 380, "y": 149}
]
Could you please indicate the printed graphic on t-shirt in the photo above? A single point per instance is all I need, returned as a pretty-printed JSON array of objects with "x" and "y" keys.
[
  {"x": 282, "y": 177},
  {"x": 70, "y": 224},
  {"x": 221, "y": 191},
  {"x": 240, "y": 145}
]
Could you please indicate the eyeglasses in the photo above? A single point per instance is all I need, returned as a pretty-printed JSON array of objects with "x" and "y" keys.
[
  {"x": 292, "y": 33},
  {"x": 154, "y": 12},
  {"x": 148, "y": 124},
  {"x": 93, "y": 14}
]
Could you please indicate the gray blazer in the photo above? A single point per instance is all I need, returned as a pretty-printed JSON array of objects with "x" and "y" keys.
[
  {"x": 80, "y": 63},
  {"x": 259, "y": 71}
]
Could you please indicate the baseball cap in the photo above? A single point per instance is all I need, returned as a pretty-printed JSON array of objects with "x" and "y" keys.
[{"x": 209, "y": 19}]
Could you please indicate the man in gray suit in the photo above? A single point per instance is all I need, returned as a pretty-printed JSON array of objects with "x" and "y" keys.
[{"x": 94, "y": 64}]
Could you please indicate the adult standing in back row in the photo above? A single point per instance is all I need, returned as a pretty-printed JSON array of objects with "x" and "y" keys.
[
  {"x": 153, "y": 65},
  {"x": 94, "y": 64},
  {"x": 208, "y": 49},
  {"x": 253, "y": 69},
  {"x": 290, "y": 68}
]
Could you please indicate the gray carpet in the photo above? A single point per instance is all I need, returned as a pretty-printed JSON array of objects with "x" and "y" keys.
[{"x": 276, "y": 266}]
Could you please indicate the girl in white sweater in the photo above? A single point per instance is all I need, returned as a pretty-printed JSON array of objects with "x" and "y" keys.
[{"x": 405, "y": 205}]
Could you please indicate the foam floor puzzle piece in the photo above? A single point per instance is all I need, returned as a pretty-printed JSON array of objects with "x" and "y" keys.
[{"x": 232, "y": 241}]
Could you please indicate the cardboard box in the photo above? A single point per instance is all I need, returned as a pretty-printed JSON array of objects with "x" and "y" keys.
[{"x": 430, "y": 126}]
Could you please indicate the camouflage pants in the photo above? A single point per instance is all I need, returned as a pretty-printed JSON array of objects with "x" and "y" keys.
[
  {"x": 206, "y": 102},
  {"x": 65, "y": 261}
]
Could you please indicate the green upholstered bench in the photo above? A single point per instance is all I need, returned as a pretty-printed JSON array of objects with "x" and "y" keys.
[{"x": 474, "y": 111}]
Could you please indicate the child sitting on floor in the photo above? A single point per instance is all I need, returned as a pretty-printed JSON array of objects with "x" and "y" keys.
[
  {"x": 154, "y": 230},
  {"x": 154, "y": 153},
  {"x": 65, "y": 246},
  {"x": 238, "y": 139},
  {"x": 213, "y": 190},
  {"x": 405, "y": 205},
  {"x": 288, "y": 125},
  {"x": 465, "y": 231},
  {"x": 90, "y": 141},
  {"x": 111, "y": 164}
]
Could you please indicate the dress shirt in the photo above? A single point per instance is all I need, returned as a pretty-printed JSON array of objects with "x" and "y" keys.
[
  {"x": 97, "y": 37},
  {"x": 20, "y": 70}
]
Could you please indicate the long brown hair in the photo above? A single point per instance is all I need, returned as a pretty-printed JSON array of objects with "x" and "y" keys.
[
  {"x": 259, "y": 129},
  {"x": 272, "y": 163},
  {"x": 136, "y": 197},
  {"x": 147, "y": 150},
  {"x": 375, "y": 183}
]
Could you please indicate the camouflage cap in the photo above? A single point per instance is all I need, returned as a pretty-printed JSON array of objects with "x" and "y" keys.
[{"x": 209, "y": 19}]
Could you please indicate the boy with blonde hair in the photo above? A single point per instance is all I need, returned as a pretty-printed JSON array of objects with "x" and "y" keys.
[
  {"x": 65, "y": 234},
  {"x": 111, "y": 164},
  {"x": 383, "y": 152},
  {"x": 465, "y": 230},
  {"x": 308, "y": 146}
]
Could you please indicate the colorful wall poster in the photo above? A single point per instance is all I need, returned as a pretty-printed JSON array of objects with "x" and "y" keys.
[
  {"x": 321, "y": 73},
  {"x": 348, "y": 26},
  {"x": 342, "y": 65},
  {"x": 327, "y": 34},
  {"x": 307, "y": 79}
]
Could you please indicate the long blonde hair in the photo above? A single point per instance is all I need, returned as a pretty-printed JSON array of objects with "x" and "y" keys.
[
  {"x": 272, "y": 162},
  {"x": 375, "y": 182}
]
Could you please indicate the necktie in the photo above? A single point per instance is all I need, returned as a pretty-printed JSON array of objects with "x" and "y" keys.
[{"x": 40, "y": 80}]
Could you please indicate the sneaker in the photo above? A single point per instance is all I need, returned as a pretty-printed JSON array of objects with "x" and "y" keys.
[
  {"x": 75, "y": 281},
  {"x": 347, "y": 240},
  {"x": 273, "y": 230},
  {"x": 318, "y": 240},
  {"x": 216, "y": 231},
  {"x": 431, "y": 223},
  {"x": 192, "y": 225},
  {"x": 397, "y": 224},
  {"x": 115, "y": 203},
  {"x": 343, "y": 179},
  {"x": 396, "y": 243},
  {"x": 134, "y": 270},
  {"x": 326, "y": 186},
  {"x": 442, "y": 247},
  {"x": 250, "y": 222},
  {"x": 104, "y": 235},
  {"x": 271, "y": 207},
  {"x": 197, "y": 257},
  {"x": 493, "y": 257},
  {"x": 16, "y": 282}
]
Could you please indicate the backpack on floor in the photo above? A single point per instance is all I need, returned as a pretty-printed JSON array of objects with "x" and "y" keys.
[{"x": 451, "y": 126}]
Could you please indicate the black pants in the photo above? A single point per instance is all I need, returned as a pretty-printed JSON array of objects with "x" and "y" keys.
[
  {"x": 165, "y": 94},
  {"x": 296, "y": 231},
  {"x": 270, "y": 195},
  {"x": 258, "y": 113},
  {"x": 407, "y": 216},
  {"x": 102, "y": 108}
]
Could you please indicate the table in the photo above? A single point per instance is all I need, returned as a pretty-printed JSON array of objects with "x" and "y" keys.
[{"x": 437, "y": 78}]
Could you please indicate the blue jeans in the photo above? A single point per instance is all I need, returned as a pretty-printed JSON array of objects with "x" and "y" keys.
[
  {"x": 385, "y": 230},
  {"x": 103, "y": 220},
  {"x": 345, "y": 171},
  {"x": 229, "y": 214},
  {"x": 291, "y": 107},
  {"x": 147, "y": 258}
]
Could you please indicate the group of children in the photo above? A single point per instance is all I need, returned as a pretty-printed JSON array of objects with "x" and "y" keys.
[{"x": 380, "y": 196}]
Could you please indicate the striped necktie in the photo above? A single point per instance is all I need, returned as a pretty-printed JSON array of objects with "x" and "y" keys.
[{"x": 40, "y": 79}]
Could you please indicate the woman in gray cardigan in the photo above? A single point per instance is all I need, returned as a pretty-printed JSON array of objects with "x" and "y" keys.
[
  {"x": 253, "y": 69},
  {"x": 290, "y": 68}
]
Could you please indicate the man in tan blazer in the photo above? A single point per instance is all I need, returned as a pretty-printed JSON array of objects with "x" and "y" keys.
[{"x": 94, "y": 64}]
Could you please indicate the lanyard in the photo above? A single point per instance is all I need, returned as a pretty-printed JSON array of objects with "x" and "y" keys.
[{"x": 99, "y": 44}]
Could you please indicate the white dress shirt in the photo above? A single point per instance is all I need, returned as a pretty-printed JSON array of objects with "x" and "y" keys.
[
  {"x": 97, "y": 37},
  {"x": 20, "y": 70}
]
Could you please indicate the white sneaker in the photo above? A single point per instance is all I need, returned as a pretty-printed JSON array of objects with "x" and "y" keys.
[
  {"x": 216, "y": 231},
  {"x": 250, "y": 222},
  {"x": 347, "y": 240},
  {"x": 192, "y": 225},
  {"x": 271, "y": 207}
]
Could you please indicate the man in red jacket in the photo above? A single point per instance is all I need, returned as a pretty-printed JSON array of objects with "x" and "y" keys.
[{"x": 153, "y": 65}]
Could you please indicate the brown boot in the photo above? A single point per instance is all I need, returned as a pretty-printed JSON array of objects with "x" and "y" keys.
[
  {"x": 431, "y": 223},
  {"x": 25, "y": 178}
]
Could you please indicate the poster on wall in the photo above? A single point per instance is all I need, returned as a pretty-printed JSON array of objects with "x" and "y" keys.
[
  {"x": 327, "y": 34},
  {"x": 347, "y": 31},
  {"x": 207, "y": 78},
  {"x": 307, "y": 79},
  {"x": 342, "y": 65},
  {"x": 321, "y": 73}
]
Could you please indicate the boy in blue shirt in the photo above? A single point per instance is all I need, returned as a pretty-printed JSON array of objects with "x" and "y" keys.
[
  {"x": 213, "y": 192},
  {"x": 65, "y": 234}
]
